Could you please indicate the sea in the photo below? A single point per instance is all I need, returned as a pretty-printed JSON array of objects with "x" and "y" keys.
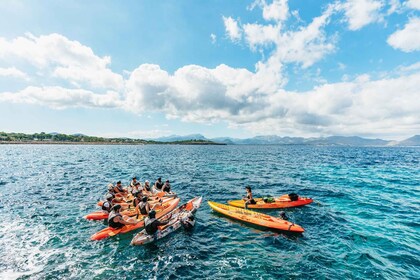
[{"x": 364, "y": 222}]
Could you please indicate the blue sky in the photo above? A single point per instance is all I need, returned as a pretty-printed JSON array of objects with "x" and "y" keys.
[{"x": 220, "y": 68}]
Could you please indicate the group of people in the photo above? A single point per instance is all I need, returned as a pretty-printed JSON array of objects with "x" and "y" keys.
[{"x": 144, "y": 200}]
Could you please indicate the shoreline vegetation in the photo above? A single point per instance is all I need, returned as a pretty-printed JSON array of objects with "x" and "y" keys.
[{"x": 80, "y": 139}]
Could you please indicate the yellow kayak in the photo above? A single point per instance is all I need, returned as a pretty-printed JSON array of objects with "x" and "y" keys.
[{"x": 255, "y": 218}]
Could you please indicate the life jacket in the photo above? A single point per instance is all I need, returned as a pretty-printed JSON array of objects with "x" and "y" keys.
[
  {"x": 136, "y": 201},
  {"x": 106, "y": 206},
  {"x": 111, "y": 222},
  {"x": 159, "y": 185},
  {"x": 142, "y": 207},
  {"x": 166, "y": 188},
  {"x": 148, "y": 226}
]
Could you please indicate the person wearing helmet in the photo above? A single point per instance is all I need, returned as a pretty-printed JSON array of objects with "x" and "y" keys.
[
  {"x": 116, "y": 220},
  {"x": 133, "y": 182},
  {"x": 107, "y": 205},
  {"x": 188, "y": 221},
  {"x": 151, "y": 224}
]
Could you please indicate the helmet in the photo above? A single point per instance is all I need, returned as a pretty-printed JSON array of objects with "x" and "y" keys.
[
  {"x": 146, "y": 182},
  {"x": 109, "y": 196},
  {"x": 152, "y": 214}
]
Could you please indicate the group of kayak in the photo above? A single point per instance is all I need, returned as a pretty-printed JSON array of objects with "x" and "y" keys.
[
  {"x": 153, "y": 208},
  {"x": 238, "y": 210}
]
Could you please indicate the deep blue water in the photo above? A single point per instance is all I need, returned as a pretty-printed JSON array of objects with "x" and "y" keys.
[{"x": 364, "y": 224}]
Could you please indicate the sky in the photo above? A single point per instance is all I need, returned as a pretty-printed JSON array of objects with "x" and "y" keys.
[{"x": 146, "y": 69}]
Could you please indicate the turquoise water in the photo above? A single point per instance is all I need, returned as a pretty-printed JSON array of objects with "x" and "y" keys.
[{"x": 364, "y": 224}]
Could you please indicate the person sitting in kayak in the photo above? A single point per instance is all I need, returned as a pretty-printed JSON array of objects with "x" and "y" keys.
[
  {"x": 136, "y": 188},
  {"x": 166, "y": 187},
  {"x": 151, "y": 224},
  {"x": 107, "y": 205},
  {"x": 133, "y": 182},
  {"x": 116, "y": 197},
  {"x": 143, "y": 208},
  {"x": 147, "y": 187},
  {"x": 248, "y": 198},
  {"x": 188, "y": 221},
  {"x": 138, "y": 197},
  {"x": 116, "y": 220},
  {"x": 158, "y": 184},
  {"x": 118, "y": 189}
]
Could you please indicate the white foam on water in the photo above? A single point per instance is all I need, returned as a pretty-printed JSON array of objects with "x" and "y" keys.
[{"x": 21, "y": 248}]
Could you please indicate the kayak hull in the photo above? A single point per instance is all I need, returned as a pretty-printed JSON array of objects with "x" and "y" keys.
[
  {"x": 161, "y": 211},
  {"x": 255, "y": 218},
  {"x": 174, "y": 217},
  {"x": 279, "y": 203}
]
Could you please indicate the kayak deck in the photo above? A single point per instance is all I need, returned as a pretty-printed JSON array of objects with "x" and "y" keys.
[
  {"x": 109, "y": 231},
  {"x": 174, "y": 224},
  {"x": 255, "y": 218},
  {"x": 278, "y": 203}
]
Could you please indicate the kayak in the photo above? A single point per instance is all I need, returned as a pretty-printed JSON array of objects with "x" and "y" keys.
[
  {"x": 283, "y": 201},
  {"x": 255, "y": 218},
  {"x": 131, "y": 211},
  {"x": 175, "y": 218},
  {"x": 128, "y": 201},
  {"x": 165, "y": 208}
]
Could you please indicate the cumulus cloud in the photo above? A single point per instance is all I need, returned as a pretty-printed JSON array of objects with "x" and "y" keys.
[
  {"x": 56, "y": 56},
  {"x": 253, "y": 100},
  {"x": 59, "y": 98},
  {"x": 362, "y": 12},
  {"x": 13, "y": 72},
  {"x": 408, "y": 38},
  {"x": 232, "y": 28},
  {"x": 413, "y": 4}
]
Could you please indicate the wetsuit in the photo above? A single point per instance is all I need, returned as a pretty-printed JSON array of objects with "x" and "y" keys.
[{"x": 111, "y": 222}]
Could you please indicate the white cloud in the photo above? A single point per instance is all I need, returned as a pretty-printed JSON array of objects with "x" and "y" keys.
[
  {"x": 362, "y": 12},
  {"x": 408, "y": 38},
  {"x": 65, "y": 59},
  {"x": 232, "y": 28},
  {"x": 213, "y": 38},
  {"x": 413, "y": 4},
  {"x": 13, "y": 72},
  {"x": 278, "y": 10},
  {"x": 59, "y": 98}
]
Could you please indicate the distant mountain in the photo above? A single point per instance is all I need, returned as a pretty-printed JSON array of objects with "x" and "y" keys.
[
  {"x": 412, "y": 141},
  {"x": 173, "y": 138},
  {"x": 278, "y": 140}
]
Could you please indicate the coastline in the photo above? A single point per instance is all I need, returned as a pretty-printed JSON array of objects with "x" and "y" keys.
[{"x": 102, "y": 143}]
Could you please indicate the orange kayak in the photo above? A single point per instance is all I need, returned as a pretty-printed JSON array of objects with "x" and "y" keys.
[
  {"x": 131, "y": 211},
  {"x": 279, "y": 202},
  {"x": 160, "y": 211},
  {"x": 255, "y": 218},
  {"x": 129, "y": 199}
]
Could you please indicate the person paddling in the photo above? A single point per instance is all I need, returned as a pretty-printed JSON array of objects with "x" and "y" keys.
[
  {"x": 116, "y": 220},
  {"x": 248, "y": 198},
  {"x": 151, "y": 224}
]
